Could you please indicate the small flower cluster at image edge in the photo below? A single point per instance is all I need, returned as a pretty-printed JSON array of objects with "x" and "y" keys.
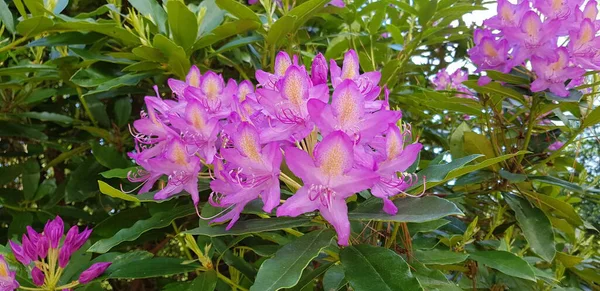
[
  {"x": 535, "y": 33},
  {"x": 46, "y": 255},
  {"x": 288, "y": 129}
]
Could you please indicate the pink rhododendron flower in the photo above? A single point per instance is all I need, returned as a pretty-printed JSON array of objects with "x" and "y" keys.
[
  {"x": 7, "y": 277},
  {"x": 244, "y": 134}
]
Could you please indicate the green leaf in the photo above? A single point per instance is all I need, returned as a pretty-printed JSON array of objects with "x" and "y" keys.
[
  {"x": 376, "y": 21},
  {"x": 154, "y": 267},
  {"x": 535, "y": 226},
  {"x": 375, "y": 268},
  {"x": 574, "y": 96},
  {"x": 158, "y": 220},
  {"x": 507, "y": 78},
  {"x": 10, "y": 173},
  {"x": 225, "y": 31},
  {"x": 292, "y": 21},
  {"x": 122, "y": 111},
  {"x": 149, "y": 53},
  {"x": 285, "y": 268},
  {"x": 181, "y": 23},
  {"x": 17, "y": 130},
  {"x": 250, "y": 226},
  {"x": 238, "y": 42},
  {"x": 423, "y": 209},
  {"x": 309, "y": 278},
  {"x": 112, "y": 192},
  {"x": 558, "y": 182},
  {"x": 124, "y": 80},
  {"x": 457, "y": 140},
  {"x": 432, "y": 279},
  {"x": 559, "y": 207},
  {"x": 238, "y": 9},
  {"x": 495, "y": 88},
  {"x": 206, "y": 281},
  {"x": 591, "y": 119},
  {"x": 213, "y": 17},
  {"x": 154, "y": 11},
  {"x": 47, "y": 116},
  {"x": 20, "y": 69},
  {"x": 334, "y": 278},
  {"x": 108, "y": 29},
  {"x": 109, "y": 156},
  {"x": 439, "y": 257},
  {"x": 118, "y": 173},
  {"x": 505, "y": 262},
  {"x": 177, "y": 59},
  {"x": 79, "y": 187},
  {"x": 6, "y": 17},
  {"x": 429, "y": 226},
  {"x": 512, "y": 177},
  {"x": 31, "y": 178},
  {"x": 20, "y": 221},
  {"x": 67, "y": 38},
  {"x": 34, "y": 25},
  {"x": 426, "y": 9}
]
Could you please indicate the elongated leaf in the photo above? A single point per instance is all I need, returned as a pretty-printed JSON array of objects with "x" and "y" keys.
[
  {"x": 26, "y": 69},
  {"x": 285, "y": 268},
  {"x": 535, "y": 225},
  {"x": 67, "y": 38},
  {"x": 558, "y": 182},
  {"x": 206, "y": 281},
  {"x": 293, "y": 20},
  {"x": 438, "y": 257},
  {"x": 224, "y": 31},
  {"x": 6, "y": 17},
  {"x": 559, "y": 207},
  {"x": 250, "y": 226},
  {"x": 495, "y": 88},
  {"x": 505, "y": 262},
  {"x": 334, "y": 278},
  {"x": 310, "y": 277},
  {"x": 238, "y": 9},
  {"x": 239, "y": 42},
  {"x": 118, "y": 173},
  {"x": 181, "y": 23},
  {"x": 108, "y": 29},
  {"x": 177, "y": 59},
  {"x": 158, "y": 220},
  {"x": 112, "y": 192},
  {"x": 409, "y": 210},
  {"x": 34, "y": 25},
  {"x": 154, "y": 267},
  {"x": 375, "y": 268},
  {"x": 47, "y": 116},
  {"x": 507, "y": 78}
]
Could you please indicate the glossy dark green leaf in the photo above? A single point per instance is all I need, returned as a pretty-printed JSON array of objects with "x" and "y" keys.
[
  {"x": 20, "y": 69},
  {"x": 109, "y": 156},
  {"x": 125, "y": 80},
  {"x": 31, "y": 178},
  {"x": 239, "y": 42},
  {"x": 558, "y": 182},
  {"x": 495, "y": 88},
  {"x": 79, "y": 187},
  {"x": 153, "y": 10},
  {"x": 423, "y": 209},
  {"x": 206, "y": 281},
  {"x": 439, "y": 257},
  {"x": 310, "y": 276},
  {"x": 250, "y": 226},
  {"x": 292, "y": 21},
  {"x": 182, "y": 24},
  {"x": 154, "y": 267},
  {"x": 334, "y": 278},
  {"x": 375, "y": 268},
  {"x": 158, "y": 220},
  {"x": 535, "y": 225},
  {"x": 10, "y": 173},
  {"x": 107, "y": 29},
  {"x": 505, "y": 262},
  {"x": 20, "y": 220},
  {"x": 508, "y": 78},
  {"x": 122, "y": 111},
  {"x": 11, "y": 129},
  {"x": 285, "y": 268},
  {"x": 34, "y": 25},
  {"x": 47, "y": 116}
]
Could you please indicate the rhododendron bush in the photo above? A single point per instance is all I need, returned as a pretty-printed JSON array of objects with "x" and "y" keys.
[{"x": 299, "y": 145}]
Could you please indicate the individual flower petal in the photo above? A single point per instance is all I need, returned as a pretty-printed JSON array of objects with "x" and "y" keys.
[{"x": 38, "y": 276}]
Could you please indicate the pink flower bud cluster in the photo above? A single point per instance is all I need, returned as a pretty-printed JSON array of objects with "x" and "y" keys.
[{"x": 46, "y": 256}]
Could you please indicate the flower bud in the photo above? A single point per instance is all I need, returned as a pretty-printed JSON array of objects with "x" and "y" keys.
[
  {"x": 19, "y": 253},
  {"x": 93, "y": 272},
  {"x": 38, "y": 276},
  {"x": 54, "y": 231},
  {"x": 318, "y": 72}
]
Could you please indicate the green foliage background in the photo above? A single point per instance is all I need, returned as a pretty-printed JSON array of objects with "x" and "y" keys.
[{"x": 499, "y": 210}]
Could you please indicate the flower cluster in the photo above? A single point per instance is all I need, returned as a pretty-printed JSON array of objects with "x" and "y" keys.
[
  {"x": 535, "y": 30},
  {"x": 47, "y": 256},
  {"x": 332, "y": 147},
  {"x": 446, "y": 81}
]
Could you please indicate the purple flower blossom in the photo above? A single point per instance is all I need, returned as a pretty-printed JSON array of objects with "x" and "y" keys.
[
  {"x": 45, "y": 249},
  {"x": 7, "y": 277},
  {"x": 555, "y": 146},
  {"x": 552, "y": 75},
  {"x": 93, "y": 272},
  {"x": 329, "y": 178}
]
